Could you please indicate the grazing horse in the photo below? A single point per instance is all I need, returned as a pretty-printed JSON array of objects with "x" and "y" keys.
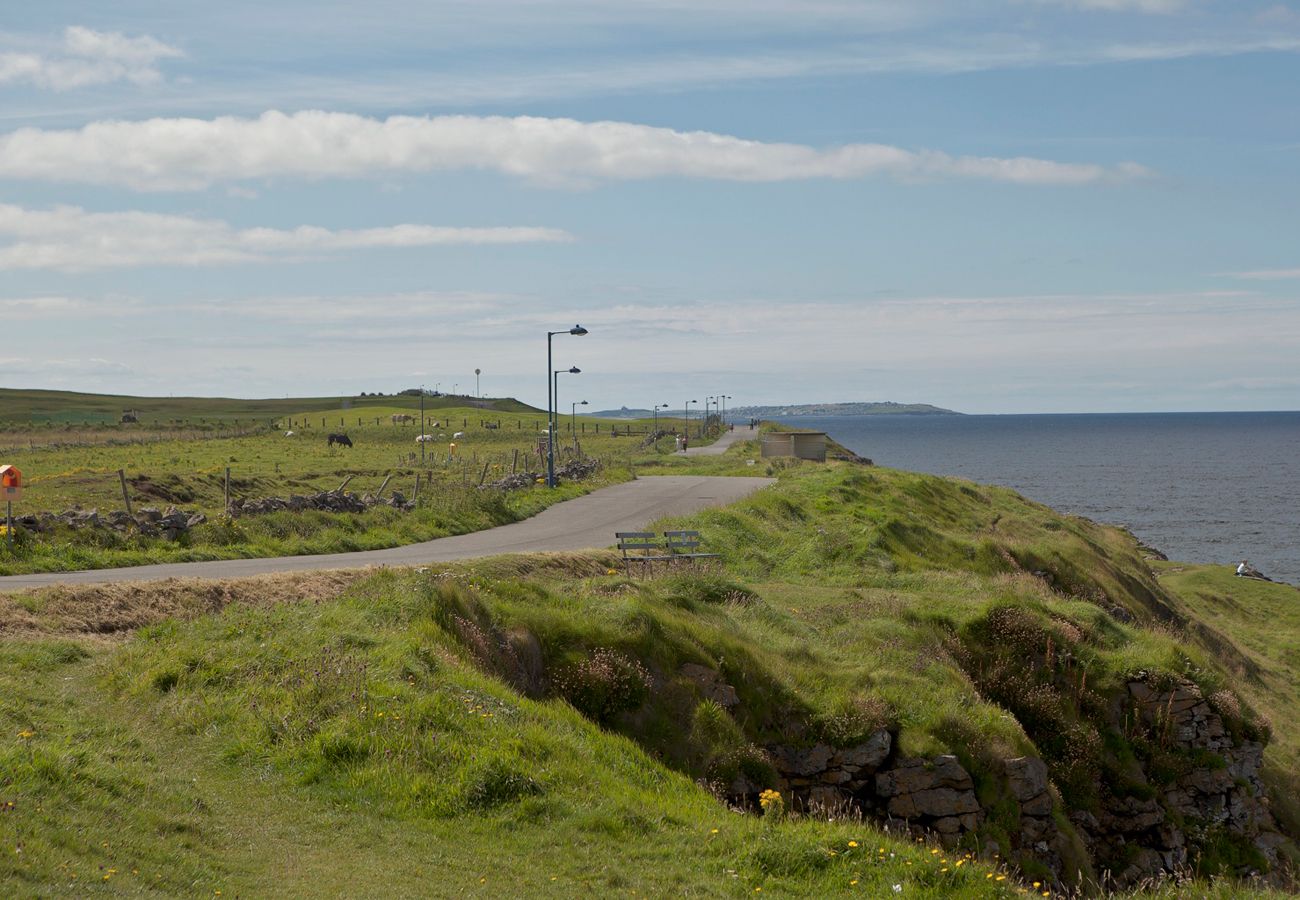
[{"x": 338, "y": 439}]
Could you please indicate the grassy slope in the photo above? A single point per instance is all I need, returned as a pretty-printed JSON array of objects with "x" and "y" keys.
[{"x": 848, "y": 598}]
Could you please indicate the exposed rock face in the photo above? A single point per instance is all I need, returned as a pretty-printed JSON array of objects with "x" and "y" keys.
[
  {"x": 1039, "y": 838},
  {"x": 1155, "y": 829},
  {"x": 937, "y": 795},
  {"x": 1219, "y": 789},
  {"x": 825, "y": 778}
]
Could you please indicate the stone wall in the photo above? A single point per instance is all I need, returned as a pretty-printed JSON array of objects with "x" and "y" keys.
[{"x": 1128, "y": 839}]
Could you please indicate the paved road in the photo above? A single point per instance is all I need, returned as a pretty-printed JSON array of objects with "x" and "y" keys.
[
  {"x": 578, "y": 524},
  {"x": 719, "y": 447}
]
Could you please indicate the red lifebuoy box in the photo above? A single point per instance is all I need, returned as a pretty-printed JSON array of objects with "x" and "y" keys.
[{"x": 11, "y": 483}]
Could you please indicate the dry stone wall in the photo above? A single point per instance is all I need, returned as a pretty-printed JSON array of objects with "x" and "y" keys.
[{"x": 1153, "y": 836}]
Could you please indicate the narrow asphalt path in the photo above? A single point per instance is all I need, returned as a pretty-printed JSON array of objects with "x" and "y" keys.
[
  {"x": 720, "y": 446},
  {"x": 578, "y": 524}
]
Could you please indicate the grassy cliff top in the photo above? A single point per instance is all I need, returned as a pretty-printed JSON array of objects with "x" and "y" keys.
[{"x": 524, "y": 724}]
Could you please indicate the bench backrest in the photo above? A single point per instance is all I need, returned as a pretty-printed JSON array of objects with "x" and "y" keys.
[
  {"x": 638, "y": 543},
  {"x": 682, "y": 541}
]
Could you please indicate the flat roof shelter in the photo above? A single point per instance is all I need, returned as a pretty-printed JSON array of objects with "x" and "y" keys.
[{"x": 799, "y": 444}]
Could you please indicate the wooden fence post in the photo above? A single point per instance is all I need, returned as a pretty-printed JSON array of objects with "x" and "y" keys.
[
  {"x": 227, "y": 487},
  {"x": 126, "y": 497}
]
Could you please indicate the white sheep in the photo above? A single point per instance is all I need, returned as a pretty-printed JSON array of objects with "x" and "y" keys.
[
  {"x": 290, "y": 433},
  {"x": 458, "y": 435},
  {"x": 424, "y": 439}
]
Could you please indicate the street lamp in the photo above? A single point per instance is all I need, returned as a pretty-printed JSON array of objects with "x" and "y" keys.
[
  {"x": 705, "y": 425},
  {"x": 686, "y": 430},
  {"x": 555, "y": 425},
  {"x": 656, "y": 409},
  {"x": 421, "y": 424},
  {"x": 573, "y": 417},
  {"x": 577, "y": 330},
  {"x": 725, "y": 398},
  {"x": 478, "y": 391},
  {"x": 556, "y": 376}
]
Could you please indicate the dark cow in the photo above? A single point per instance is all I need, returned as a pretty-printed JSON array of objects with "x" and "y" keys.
[{"x": 339, "y": 439}]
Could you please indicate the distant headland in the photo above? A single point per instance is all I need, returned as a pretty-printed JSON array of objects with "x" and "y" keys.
[{"x": 884, "y": 408}]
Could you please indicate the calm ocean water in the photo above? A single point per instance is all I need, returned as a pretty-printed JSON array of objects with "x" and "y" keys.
[{"x": 1202, "y": 487}]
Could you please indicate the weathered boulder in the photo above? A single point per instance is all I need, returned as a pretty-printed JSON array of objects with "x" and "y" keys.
[
  {"x": 870, "y": 754},
  {"x": 1026, "y": 777}
]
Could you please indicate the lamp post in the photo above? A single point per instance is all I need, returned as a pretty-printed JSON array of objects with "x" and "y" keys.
[
  {"x": 725, "y": 398},
  {"x": 555, "y": 375},
  {"x": 421, "y": 424},
  {"x": 704, "y": 426},
  {"x": 686, "y": 430},
  {"x": 478, "y": 391},
  {"x": 573, "y": 418},
  {"x": 550, "y": 403},
  {"x": 656, "y": 409}
]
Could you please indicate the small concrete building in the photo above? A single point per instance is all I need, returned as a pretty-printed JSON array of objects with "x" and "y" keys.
[{"x": 799, "y": 444}]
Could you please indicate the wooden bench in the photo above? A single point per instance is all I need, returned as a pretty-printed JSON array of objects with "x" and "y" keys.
[
  {"x": 686, "y": 545},
  {"x": 641, "y": 548}
]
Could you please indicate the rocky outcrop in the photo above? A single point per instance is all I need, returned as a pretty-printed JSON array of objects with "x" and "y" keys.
[
  {"x": 1155, "y": 828},
  {"x": 1216, "y": 789},
  {"x": 925, "y": 795},
  {"x": 1038, "y": 838},
  {"x": 933, "y": 795}
]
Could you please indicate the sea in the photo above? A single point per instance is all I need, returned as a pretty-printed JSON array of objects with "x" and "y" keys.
[{"x": 1201, "y": 487}]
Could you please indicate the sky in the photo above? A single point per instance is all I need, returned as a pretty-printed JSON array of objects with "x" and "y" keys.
[{"x": 995, "y": 207}]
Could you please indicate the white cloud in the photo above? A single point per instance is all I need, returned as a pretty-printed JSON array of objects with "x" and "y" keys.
[
  {"x": 394, "y": 310},
  {"x": 1278, "y": 14},
  {"x": 191, "y": 154},
  {"x": 70, "y": 238},
  {"x": 33, "y": 308},
  {"x": 1161, "y": 7},
  {"x": 1267, "y": 274},
  {"x": 87, "y": 58}
]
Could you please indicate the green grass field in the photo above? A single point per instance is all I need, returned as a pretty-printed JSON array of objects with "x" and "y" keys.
[{"x": 407, "y": 733}]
